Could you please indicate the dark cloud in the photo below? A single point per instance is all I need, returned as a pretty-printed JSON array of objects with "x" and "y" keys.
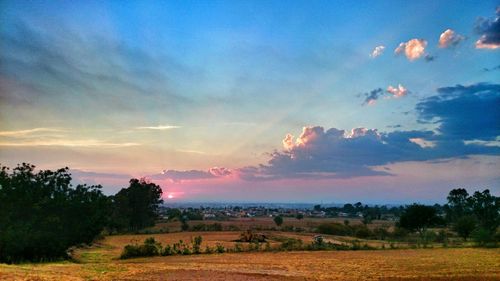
[
  {"x": 464, "y": 112},
  {"x": 491, "y": 68},
  {"x": 394, "y": 126},
  {"x": 393, "y": 92},
  {"x": 467, "y": 118},
  {"x": 489, "y": 29},
  {"x": 429, "y": 58},
  {"x": 337, "y": 153},
  {"x": 372, "y": 96}
]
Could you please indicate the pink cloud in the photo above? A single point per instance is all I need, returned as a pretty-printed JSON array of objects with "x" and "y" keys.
[
  {"x": 450, "y": 38},
  {"x": 413, "y": 49},
  {"x": 398, "y": 91}
]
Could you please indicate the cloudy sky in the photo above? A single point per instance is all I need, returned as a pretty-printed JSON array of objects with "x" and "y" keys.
[{"x": 269, "y": 101}]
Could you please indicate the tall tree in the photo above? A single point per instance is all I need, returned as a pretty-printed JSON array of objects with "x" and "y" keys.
[
  {"x": 458, "y": 204},
  {"x": 486, "y": 208},
  {"x": 137, "y": 206}
]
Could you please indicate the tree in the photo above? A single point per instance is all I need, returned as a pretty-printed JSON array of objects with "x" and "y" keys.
[
  {"x": 137, "y": 206},
  {"x": 317, "y": 208},
  {"x": 458, "y": 203},
  {"x": 42, "y": 215},
  {"x": 464, "y": 226},
  {"x": 418, "y": 218},
  {"x": 173, "y": 213},
  {"x": 299, "y": 216},
  {"x": 486, "y": 208},
  {"x": 278, "y": 220}
]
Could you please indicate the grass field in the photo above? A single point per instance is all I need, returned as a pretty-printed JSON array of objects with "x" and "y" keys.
[{"x": 100, "y": 263}]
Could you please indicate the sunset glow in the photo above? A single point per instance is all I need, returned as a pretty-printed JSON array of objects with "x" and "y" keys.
[{"x": 261, "y": 101}]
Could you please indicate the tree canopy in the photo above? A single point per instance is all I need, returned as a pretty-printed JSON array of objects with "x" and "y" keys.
[
  {"x": 42, "y": 215},
  {"x": 137, "y": 206},
  {"x": 418, "y": 218}
]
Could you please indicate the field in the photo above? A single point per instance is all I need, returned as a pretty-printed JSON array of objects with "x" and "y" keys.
[
  {"x": 100, "y": 262},
  {"x": 268, "y": 223}
]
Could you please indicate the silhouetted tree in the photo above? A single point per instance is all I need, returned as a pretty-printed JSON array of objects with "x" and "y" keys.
[
  {"x": 42, "y": 215},
  {"x": 486, "y": 208},
  {"x": 136, "y": 207},
  {"x": 418, "y": 218},
  {"x": 458, "y": 204},
  {"x": 299, "y": 216}
]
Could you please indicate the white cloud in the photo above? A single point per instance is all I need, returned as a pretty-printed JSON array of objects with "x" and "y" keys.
[
  {"x": 18, "y": 133},
  {"x": 69, "y": 143},
  {"x": 379, "y": 50},
  {"x": 159, "y": 127}
]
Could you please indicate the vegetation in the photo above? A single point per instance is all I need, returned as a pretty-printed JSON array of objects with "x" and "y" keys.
[
  {"x": 136, "y": 207},
  {"x": 42, "y": 215},
  {"x": 418, "y": 218},
  {"x": 278, "y": 220}
]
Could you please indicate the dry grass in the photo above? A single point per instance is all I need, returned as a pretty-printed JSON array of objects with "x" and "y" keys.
[
  {"x": 100, "y": 263},
  {"x": 429, "y": 264}
]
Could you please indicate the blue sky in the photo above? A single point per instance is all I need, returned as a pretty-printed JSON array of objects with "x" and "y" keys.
[{"x": 115, "y": 89}]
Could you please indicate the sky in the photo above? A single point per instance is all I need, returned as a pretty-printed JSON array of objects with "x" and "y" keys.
[{"x": 256, "y": 101}]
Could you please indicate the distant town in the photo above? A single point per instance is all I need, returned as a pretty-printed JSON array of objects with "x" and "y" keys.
[{"x": 221, "y": 211}]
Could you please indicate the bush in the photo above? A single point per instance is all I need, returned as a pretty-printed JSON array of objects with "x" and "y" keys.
[
  {"x": 238, "y": 248},
  {"x": 148, "y": 249},
  {"x": 207, "y": 227},
  {"x": 208, "y": 250},
  {"x": 399, "y": 233},
  {"x": 197, "y": 244},
  {"x": 381, "y": 233},
  {"x": 484, "y": 238},
  {"x": 291, "y": 244},
  {"x": 219, "y": 249},
  {"x": 362, "y": 231}
]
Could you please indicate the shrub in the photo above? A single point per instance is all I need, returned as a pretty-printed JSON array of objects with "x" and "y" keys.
[
  {"x": 238, "y": 248},
  {"x": 483, "y": 237},
  {"x": 219, "y": 249},
  {"x": 381, "y": 233},
  {"x": 209, "y": 250},
  {"x": 148, "y": 249},
  {"x": 167, "y": 251},
  {"x": 362, "y": 231},
  {"x": 399, "y": 233},
  {"x": 291, "y": 244},
  {"x": 197, "y": 244}
]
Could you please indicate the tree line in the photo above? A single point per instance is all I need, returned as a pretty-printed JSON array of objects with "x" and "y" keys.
[{"x": 42, "y": 214}]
